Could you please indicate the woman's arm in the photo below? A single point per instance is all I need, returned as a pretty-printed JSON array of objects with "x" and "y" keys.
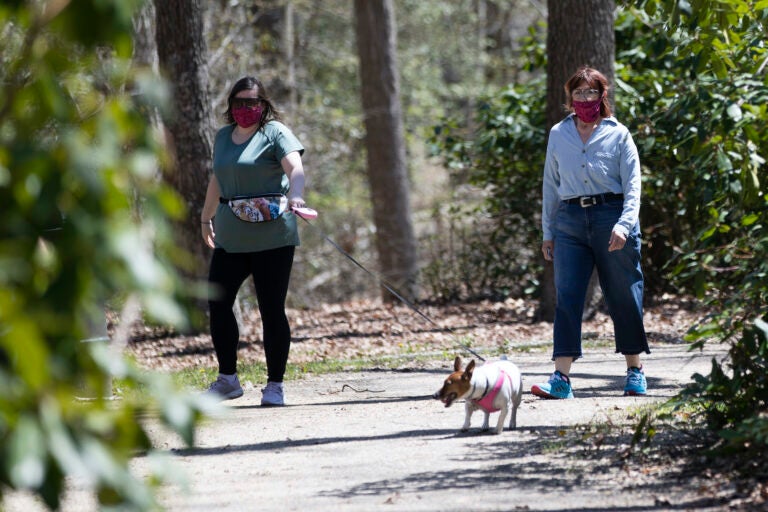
[
  {"x": 294, "y": 169},
  {"x": 212, "y": 195}
]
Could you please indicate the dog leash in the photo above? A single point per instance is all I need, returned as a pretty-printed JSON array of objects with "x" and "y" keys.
[{"x": 308, "y": 213}]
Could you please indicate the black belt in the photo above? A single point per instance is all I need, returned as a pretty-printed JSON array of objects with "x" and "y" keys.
[{"x": 587, "y": 201}]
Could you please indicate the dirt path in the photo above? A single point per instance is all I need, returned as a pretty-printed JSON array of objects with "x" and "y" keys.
[{"x": 375, "y": 440}]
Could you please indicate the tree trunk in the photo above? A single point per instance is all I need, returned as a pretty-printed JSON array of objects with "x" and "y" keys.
[
  {"x": 578, "y": 33},
  {"x": 182, "y": 56},
  {"x": 144, "y": 44},
  {"x": 290, "y": 57},
  {"x": 385, "y": 144},
  {"x": 145, "y": 57}
]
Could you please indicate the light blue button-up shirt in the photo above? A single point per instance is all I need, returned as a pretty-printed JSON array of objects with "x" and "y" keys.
[{"x": 607, "y": 163}]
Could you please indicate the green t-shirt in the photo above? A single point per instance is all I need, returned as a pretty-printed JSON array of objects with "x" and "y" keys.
[{"x": 253, "y": 168}]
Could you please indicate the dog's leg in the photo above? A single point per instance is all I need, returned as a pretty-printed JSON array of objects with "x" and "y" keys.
[
  {"x": 513, "y": 416},
  {"x": 486, "y": 425},
  {"x": 502, "y": 416},
  {"x": 468, "y": 410},
  {"x": 516, "y": 399}
]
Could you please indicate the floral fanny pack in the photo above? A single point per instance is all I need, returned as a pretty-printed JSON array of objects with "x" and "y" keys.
[{"x": 259, "y": 208}]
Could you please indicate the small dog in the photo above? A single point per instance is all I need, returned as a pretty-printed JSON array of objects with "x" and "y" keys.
[{"x": 495, "y": 386}]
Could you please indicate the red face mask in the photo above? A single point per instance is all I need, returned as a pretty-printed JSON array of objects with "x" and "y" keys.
[
  {"x": 246, "y": 117},
  {"x": 588, "y": 111}
]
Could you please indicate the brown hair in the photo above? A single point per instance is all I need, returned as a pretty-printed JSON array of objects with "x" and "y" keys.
[
  {"x": 594, "y": 79},
  {"x": 247, "y": 83}
]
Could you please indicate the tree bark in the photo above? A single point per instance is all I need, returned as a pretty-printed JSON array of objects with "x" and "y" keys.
[
  {"x": 145, "y": 57},
  {"x": 385, "y": 144},
  {"x": 290, "y": 56},
  {"x": 144, "y": 44},
  {"x": 182, "y": 56},
  {"x": 578, "y": 33}
]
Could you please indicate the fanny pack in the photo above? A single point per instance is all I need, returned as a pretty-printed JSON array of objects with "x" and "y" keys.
[{"x": 259, "y": 208}]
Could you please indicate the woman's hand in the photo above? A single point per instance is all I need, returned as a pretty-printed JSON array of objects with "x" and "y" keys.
[
  {"x": 208, "y": 234},
  {"x": 617, "y": 241},
  {"x": 548, "y": 249},
  {"x": 296, "y": 202}
]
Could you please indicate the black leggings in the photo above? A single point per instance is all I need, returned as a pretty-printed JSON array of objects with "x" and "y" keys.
[{"x": 271, "y": 271}]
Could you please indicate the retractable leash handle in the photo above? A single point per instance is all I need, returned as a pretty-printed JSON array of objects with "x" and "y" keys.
[
  {"x": 308, "y": 213},
  {"x": 304, "y": 212}
]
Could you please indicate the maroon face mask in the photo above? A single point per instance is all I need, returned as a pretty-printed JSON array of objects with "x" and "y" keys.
[
  {"x": 588, "y": 111},
  {"x": 246, "y": 117}
]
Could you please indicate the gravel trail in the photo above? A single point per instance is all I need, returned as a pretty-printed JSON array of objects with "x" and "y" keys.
[{"x": 375, "y": 440}]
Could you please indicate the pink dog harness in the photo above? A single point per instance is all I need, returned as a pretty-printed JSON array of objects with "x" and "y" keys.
[{"x": 486, "y": 402}]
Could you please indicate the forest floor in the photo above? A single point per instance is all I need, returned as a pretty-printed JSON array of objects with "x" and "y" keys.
[
  {"x": 373, "y": 439},
  {"x": 369, "y": 330}
]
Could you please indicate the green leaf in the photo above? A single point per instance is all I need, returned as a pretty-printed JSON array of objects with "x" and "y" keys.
[
  {"x": 763, "y": 326},
  {"x": 26, "y": 449},
  {"x": 708, "y": 233},
  {"x": 723, "y": 162},
  {"x": 734, "y": 112},
  {"x": 749, "y": 219}
]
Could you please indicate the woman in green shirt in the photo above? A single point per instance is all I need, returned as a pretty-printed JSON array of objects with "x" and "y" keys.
[{"x": 254, "y": 155}]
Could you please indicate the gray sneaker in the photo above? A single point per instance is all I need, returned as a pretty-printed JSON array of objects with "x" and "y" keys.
[
  {"x": 223, "y": 390},
  {"x": 273, "y": 394}
]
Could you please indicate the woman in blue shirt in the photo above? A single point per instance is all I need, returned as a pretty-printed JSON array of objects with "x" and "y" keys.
[
  {"x": 255, "y": 157},
  {"x": 591, "y": 203}
]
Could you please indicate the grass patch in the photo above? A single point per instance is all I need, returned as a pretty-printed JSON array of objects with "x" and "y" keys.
[
  {"x": 256, "y": 373},
  {"x": 409, "y": 357}
]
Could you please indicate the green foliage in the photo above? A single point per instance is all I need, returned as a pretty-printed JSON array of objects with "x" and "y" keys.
[
  {"x": 702, "y": 140},
  {"x": 704, "y": 134},
  {"x": 704, "y": 131},
  {"x": 78, "y": 160},
  {"x": 497, "y": 239},
  {"x": 734, "y": 402}
]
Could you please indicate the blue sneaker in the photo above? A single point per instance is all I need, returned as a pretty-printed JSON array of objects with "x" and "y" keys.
[
  {"x": 635, "y": 384},
  {"x": 559, "y": 387}
]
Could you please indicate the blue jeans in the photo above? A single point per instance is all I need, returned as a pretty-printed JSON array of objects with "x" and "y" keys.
[{"x": 581, "y": 243}]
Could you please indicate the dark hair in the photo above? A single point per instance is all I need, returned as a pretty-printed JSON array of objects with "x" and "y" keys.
[
  {"x": 249, "y": 83},
  {"x": 594, "y": 79}
]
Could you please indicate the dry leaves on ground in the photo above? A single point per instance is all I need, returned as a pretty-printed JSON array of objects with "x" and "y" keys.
[{"x": 367, "y": 328}]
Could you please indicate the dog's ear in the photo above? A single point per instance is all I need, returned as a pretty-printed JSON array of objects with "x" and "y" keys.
[
  {"x": 469, "y": 370},
  {"x": 457, "y": 364}
]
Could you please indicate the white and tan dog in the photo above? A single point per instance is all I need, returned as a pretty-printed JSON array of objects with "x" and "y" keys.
[{"x": 494, "y": 386}]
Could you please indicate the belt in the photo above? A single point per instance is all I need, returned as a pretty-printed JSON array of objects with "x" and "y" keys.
[{"x": 587, "y": 201}]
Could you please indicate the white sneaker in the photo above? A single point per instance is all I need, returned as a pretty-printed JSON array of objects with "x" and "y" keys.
[
  {"x": 273, "y": 394},
  {"x": 223, "y": 389}
]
